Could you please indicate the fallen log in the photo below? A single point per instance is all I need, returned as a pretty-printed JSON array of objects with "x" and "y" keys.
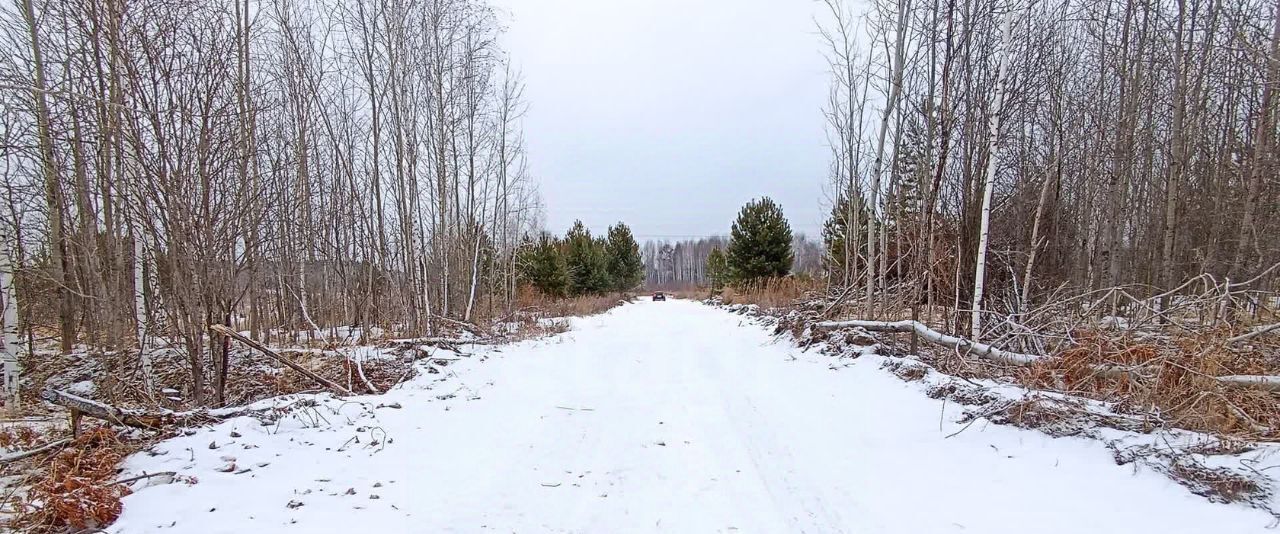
[
  {"x": 1269, "y": 383},
  {"x": 280, "y": 358},
  {"x": 437, "y": 341},
  {"x": 359, "y": 364},
  {"x": 1255, "y": 333},
  {"x": 15, "y": 456},
  {"x": 470, "y": 327},
  {"x": 983, "y": 350},
  {"x": 80, "y": 406}
]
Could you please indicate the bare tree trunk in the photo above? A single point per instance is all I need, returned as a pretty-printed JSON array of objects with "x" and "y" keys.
[
  {"x": 1263, "y": 134},
  {"x": 877, "y": 166},
  {"x": 1177, "y": 158},
  {"x": 1045, "y": 187},
  {"x": 993, "y": 162},
  {"x": 9, "y": 356},
  {"x": 53, "y": 188},
  {"x": 944, "y": 147}
]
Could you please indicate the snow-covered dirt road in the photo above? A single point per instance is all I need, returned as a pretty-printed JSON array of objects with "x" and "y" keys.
[{"x": 658, "y": 416}]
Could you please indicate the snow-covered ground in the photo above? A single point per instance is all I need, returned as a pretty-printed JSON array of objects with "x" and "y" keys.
[{"x": 658, "y": 416}]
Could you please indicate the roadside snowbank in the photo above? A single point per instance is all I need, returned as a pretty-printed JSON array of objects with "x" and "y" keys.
[{"x": 671, "y": 416}]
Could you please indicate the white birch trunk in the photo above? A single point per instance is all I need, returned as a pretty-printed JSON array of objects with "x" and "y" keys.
[
  {"x": 302, "y": 301},
  {"x": 9, "y": 357},
  {"x": 140, "y": 309},
  {"x": 475, "y": 278},
  {"x": 891, "y": 103},
  {"x": 993, "y": 152},
  {"x": 1035, "y": 234}
]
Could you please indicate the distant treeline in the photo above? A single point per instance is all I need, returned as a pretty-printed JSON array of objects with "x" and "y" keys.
[{"x": 683, "y": 263}]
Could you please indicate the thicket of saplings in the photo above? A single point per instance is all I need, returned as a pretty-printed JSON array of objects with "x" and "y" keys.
[
  {"x": 580, "y": 264},
  {"x": 1154, "y": 353}
]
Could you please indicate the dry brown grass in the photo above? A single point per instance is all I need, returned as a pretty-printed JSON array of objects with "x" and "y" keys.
[
  {"x": 77, "y": 488},
  {"x": 532, "y": 302},
  {"x": 19, "y": 437},
  {"x": 775, "y": 292},
  {"x": 696, "y": 293},
  {"x": 1162, "y": 373},
  {"x": 1154, "y": 374},
  {"x": 1172, "y": 376},
  {"x": 1216, "y": 484}
]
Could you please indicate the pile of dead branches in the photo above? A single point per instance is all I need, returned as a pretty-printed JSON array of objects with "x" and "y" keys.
[
  {"x": 1204, "y": 356},
  {"x": 72, "y": 485},
  {"x": 1177, "y": 378}
]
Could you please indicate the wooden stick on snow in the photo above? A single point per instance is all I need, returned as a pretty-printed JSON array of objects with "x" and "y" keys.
[
  {"x": 289, "y": 363},
  {"x": 80, "y": 406},
  {"x": 982, "y": 350},
  {"x": 15, "y": 456}
]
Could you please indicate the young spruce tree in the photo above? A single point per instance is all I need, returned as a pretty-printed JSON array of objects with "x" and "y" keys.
[
  {"x": 542, "y": 265},
  {"x": 585, "y": 257},
  {"x": 625, "y": 265},
  {"x": 717, "y": 269},
  {"x": 839, "y": 244},
  {"x": 759, "y": 243}
]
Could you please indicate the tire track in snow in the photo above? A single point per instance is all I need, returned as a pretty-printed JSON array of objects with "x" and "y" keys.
[{"x": 792, "y": 493}]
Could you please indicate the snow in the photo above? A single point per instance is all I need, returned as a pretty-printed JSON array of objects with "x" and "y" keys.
[
  {"x": 655, "y": 417},
  {"x": 83, "y": 388}
]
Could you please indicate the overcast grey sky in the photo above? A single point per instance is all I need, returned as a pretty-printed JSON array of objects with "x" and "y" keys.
[{"x": 671, "y": 114}]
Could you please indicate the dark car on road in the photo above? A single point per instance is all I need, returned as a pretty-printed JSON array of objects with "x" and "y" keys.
[{"x": 659, "y": 296}]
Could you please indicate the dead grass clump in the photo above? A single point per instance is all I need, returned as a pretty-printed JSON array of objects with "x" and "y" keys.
[
  {"x": 905, "y": 370},
  {"x": 584, "y": 305},
  {"x": 1031, "y": 413},
  {"x": 696, "y": 293},
  {"x": 77, "y": 489},
  {"x": 961, "y": 393},
  {"x": 20, "y": 437},
  {"x": 1217, "y": 447},
  {"x": 1171, "y": 376},
  {"x": 1219, "y": 484},
  {"x": 1077, "y": 368},
  {"x": 534, "y": 303},
  {"x": 786, "y": 292}
]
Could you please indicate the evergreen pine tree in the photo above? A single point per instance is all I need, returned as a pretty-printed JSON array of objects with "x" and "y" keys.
[
  {"x": 542, "y": 265},
  {"x": 835, "y": 232},
  {"x": 759, "y": 243},
  {"x": 911, "y": 163},
  {"x": 625, "y": 265},
  {"x": 717, "y": 269},
  {"x": 585, "y": 258}
]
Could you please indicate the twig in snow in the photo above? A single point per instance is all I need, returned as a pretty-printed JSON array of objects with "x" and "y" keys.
[
  {"x": 360, "y": 371},
  {"x": 1255, "y": 333},
  {"x": 13, "y": 457},
  {"x": 999, "y": 407},
  {"x": 151, "y": 475}
]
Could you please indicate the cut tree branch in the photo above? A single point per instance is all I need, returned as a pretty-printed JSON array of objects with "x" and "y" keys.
[
  {"x": 15, "y": 456},
  {"x": 81, "y": 406},
  {"x": 280, "y": 358},
  {"x": 933, "y": 336},
  {"x": 982, "y": 350}
]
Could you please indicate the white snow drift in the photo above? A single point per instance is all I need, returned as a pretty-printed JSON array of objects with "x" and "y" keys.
[{"x": 668, "y": 416}]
